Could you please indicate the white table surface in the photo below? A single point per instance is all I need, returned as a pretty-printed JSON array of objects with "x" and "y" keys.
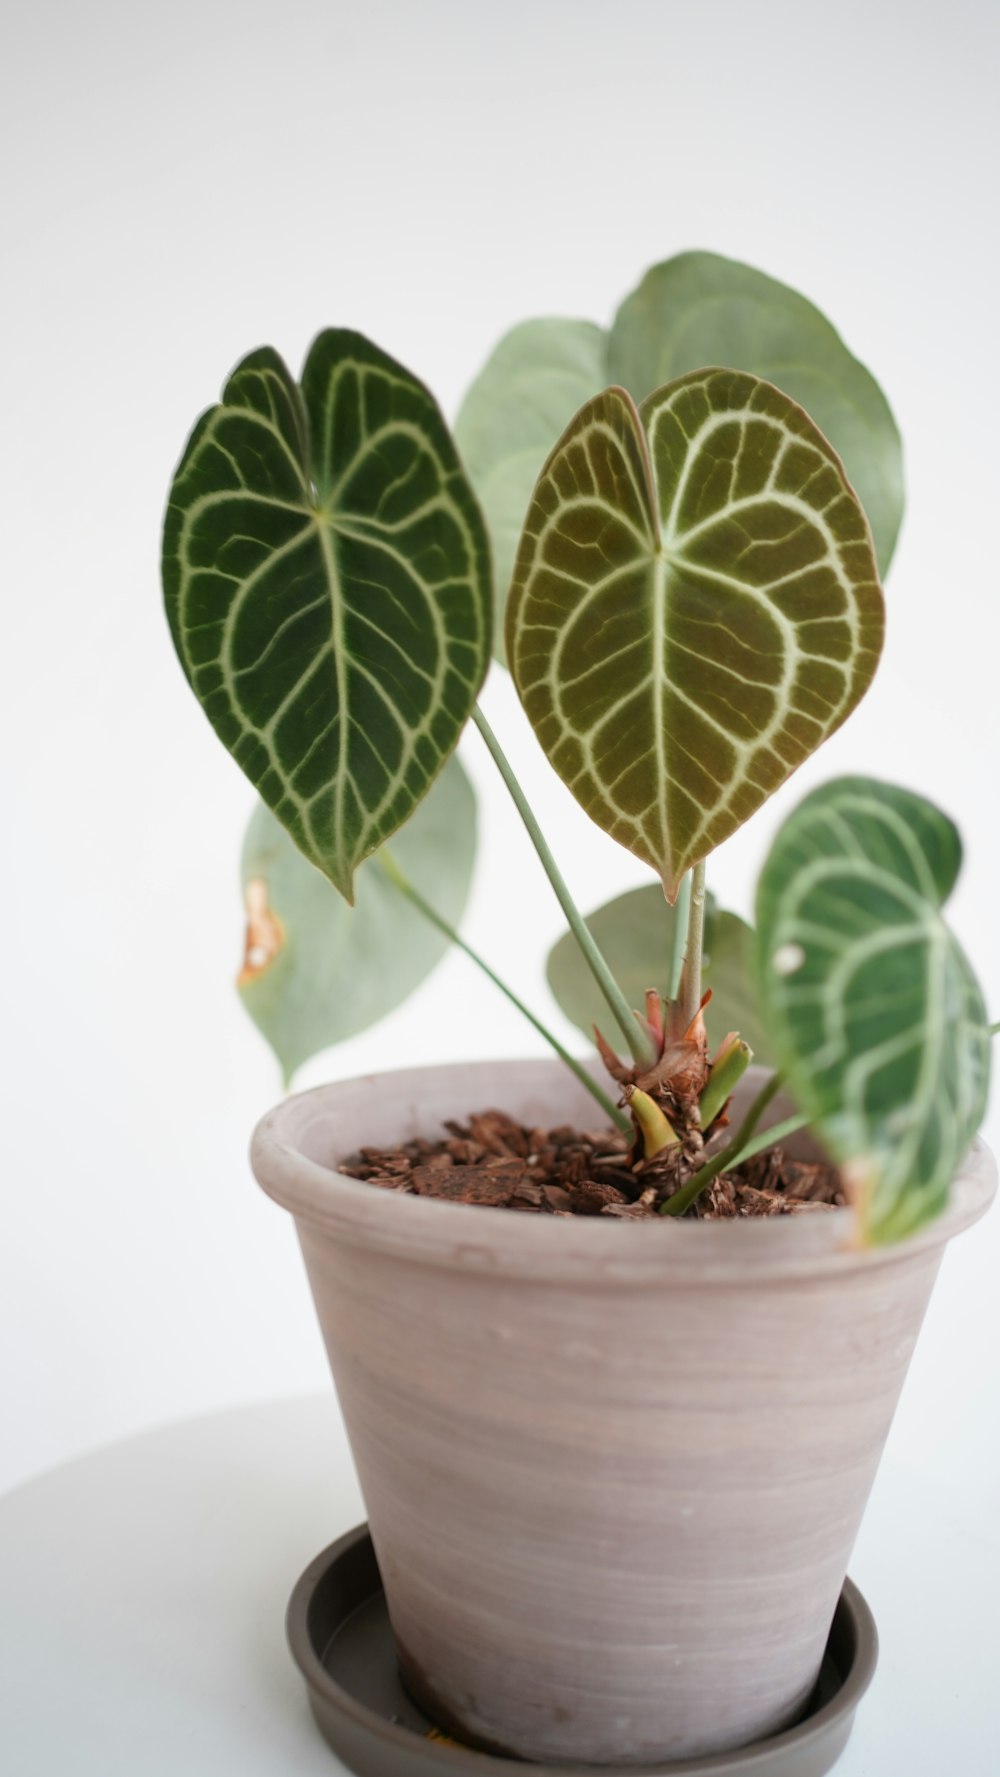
[{"x": 143, "y": 1591}]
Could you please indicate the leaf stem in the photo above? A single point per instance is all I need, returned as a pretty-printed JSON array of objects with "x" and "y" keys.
[
  {"x": 993, "y": 1030},
  {"x": 769, "y": 1138},
  {"x": 683, "y": 1199},
  {"x": 395, "y": 875},
  {"x": 682, "y": 913},
  {"x": 627, "y": 1022},
  {"x": 695, "y": 945}
]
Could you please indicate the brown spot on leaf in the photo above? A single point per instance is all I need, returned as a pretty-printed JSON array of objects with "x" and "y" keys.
[{"x": 265, "y": 934}]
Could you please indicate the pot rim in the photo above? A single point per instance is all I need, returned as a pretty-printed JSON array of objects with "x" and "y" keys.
[{"x": 596, "y": 1250}]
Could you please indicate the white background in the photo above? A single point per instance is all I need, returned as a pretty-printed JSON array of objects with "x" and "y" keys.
[{"x": 186, "y": 182}]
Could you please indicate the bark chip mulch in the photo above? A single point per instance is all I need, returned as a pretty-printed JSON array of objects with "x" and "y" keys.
[{"x": 492, "y": 1160}]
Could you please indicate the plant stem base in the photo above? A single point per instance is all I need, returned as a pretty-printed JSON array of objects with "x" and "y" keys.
[{"x": 339, "y": 1633}]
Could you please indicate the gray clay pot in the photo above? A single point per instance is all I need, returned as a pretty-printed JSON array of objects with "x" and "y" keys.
[
  {"x": 613, "y": 1471},
  {"x": 339, "y": 1634}
]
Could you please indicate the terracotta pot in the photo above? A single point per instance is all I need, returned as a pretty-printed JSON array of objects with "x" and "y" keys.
[{"x": 613, "y": 1471}]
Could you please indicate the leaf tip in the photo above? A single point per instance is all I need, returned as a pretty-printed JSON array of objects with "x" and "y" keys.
[
  {"x": 341, "y": 875},
  {"x": 615, "y": 1067}
]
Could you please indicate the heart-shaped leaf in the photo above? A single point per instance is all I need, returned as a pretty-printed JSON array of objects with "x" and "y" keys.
[
  {"x": 693, "y": 310},
  {"x": 318, "y": 971},
  {"x": 875, "y": 1013},
  {"x": 534, "y": 381},
  {"x": 702, "y": 309},
  {"x": 635, "y": 935},
  {"x": 326, "y": 573},
  {"x": 695, "y": 607}
]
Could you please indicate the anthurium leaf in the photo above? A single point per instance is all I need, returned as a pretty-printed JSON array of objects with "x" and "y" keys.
[
  {"x": 527, "y": 392},
  {"x": 635, "y": 934},
  {"x": 695, "y": 607},
  {"x": 700, "y": 308},
  {"x": 326, "y": 573},
  {"x": 693, "y": 310},
  {"x": 875, "y": 1013},
  {"x": 318, "y": 971}
]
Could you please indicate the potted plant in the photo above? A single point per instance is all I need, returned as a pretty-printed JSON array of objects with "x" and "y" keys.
[{"x": 614, "y": 1461}]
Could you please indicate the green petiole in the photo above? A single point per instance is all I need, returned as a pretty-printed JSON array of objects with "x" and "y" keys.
[
  {"x": 622, "y": 1012},
  {"x": 389, "y": 867}
]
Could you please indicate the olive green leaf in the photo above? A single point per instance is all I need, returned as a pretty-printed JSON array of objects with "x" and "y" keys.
[
  {"x": 875, "y": 1013},
  {"x": 635, "y": 934},
  {"x": 318, "y": 971},
  {"x": 326, "y": 573},
  {"x": 527, "y": 392},
  {"x": 695, "y": 607},
  {"x": 702, "y": 309}
]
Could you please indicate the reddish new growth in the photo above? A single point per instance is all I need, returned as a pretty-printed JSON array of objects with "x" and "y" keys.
[{"x": 667, "y": 1094}]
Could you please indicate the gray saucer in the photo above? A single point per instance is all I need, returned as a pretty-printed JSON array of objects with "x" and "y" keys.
[{"x": 338, "y": 1629}]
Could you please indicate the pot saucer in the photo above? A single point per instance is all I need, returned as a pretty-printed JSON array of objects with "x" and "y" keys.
[{"x": 338, "y": 1629}]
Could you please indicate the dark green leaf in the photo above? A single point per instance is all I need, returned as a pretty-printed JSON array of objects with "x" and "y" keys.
[
  {"x": 326, "y": 573},
  {"x": 876, "y": 1015}
]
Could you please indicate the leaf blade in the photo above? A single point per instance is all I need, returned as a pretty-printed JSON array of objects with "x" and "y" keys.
[
  {"x": 326, "y": 574},
  {"x": 875, "y": 1011},
  {"x": 537, "y": 376},
  {"x": 635, "y": 933},
  {"x": 701, "y": 308},
  {"x": 335, "y": 970},
  {"x": 695, "y": 607}
]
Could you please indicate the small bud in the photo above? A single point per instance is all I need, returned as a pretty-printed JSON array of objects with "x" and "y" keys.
[
  {"x": 729, "y": 1066},
  {"x": 654, "y": 1126}
]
